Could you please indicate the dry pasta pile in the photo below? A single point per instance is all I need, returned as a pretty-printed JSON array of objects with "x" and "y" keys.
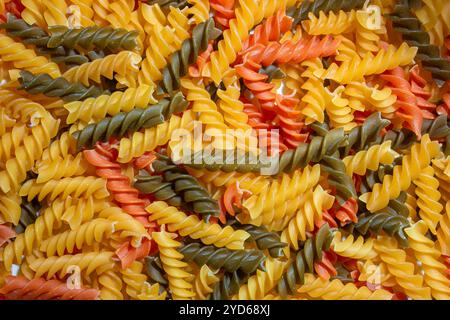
[{"x": 112, "y": 114}]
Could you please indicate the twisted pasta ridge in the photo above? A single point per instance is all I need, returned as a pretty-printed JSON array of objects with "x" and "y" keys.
[
  {"x": 401, "y": 269},
  {"x": 289, "y": 121},
  {"x": 23, "y": 58},
  {"x": 228, "y": 286},
  {"x": 161, "y": 190},
  {"x": 33, "y": 235},
  {"x": 162, "y": 43},
  {"x": 92, "y": 37},
  {"x": 337, "y": 290},
  {"x": 370, "y": 159},
  {"x": 61, "y": 168},
  {"x": 247, "y": 261},
  {"x": 89, "y": 262},
  {"x": 260, "y": 284},
  {"x": 428, "y": 197},
  {"x": 28, "y": 215},
  {"x": 351, "y": 247},
  {"x": 134, "y": 279},
  {"x": 154, "y": 270},
  {"x": 142, "y": 142},
  {"x": 21, "y": 108},
  {"x": 428, "y": 255},
  {"x": 411, "y": 30},
  {"x": 58, "y": 87},
  {"x": 361, "y": 97},
  {"x": 357, "y": 69},
  {"x": 346, "y": 49},
  {"x": 32, "y": 12},
  {"x": 119, "y": 184},
  {"x": 129, "y": 122},
  {"x": 55, "y": 12},
  {"x": 11, "y": 141},
  {"x": 342, "y": 22},
  {"x": 301, "y": 12},
  {"x": 339, "y": 111},
  {"x": 123, "y": 64},
  {"x": 269, "y": 204},
  {"x": 439, "y": 166},
  {"x": 314, "y": 151},
  {"x": 33, "y": 145},
  {"x": 385, "y": 220},
  {"x": 189, "y": 189},
  {"x": 361, "y": 136},
  {"x": 195, "y": 228},
  {"x": 88, "y": 233},
  {"x": 309, "y": 213},
  {"x": 178, "y": 277},
  {"x": 443, "y": 233},
  {"x": 204, "y": 282},
  {"x": 407, "y": 110},
  {"x": 181, "y": 59},
  {"x": 402, "y": 176},
  {"x": 223, "y": 12},
  {"x": 338, "y": 179},
  {"x": 263, "y": 239},
  {"x": 20, "y": 288},
  {"x": 97, "y": 108},
  {"x": 86, "y": 11},
  {"x": 110, "y": 285},
  {"x": 101, "y": 11},
  {"x": 75, "y": 187},
  {"x": 10, "y": 210},
  {"x": 120, "y": 13},
  {"x": 304, "y": 261}
]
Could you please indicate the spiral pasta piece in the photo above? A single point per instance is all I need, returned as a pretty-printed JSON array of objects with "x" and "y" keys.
[
  {"x": 55, "y": 12},
  {"x": 26, "y": 59},
  {"x": 88, "y": 262},
  {"x": 123, "y": 65},
  {"x": 97, "y": 108},
  {"x": 61, "y": 168},
  {"x": 75, "y": 187},
  {"x": 192, "y": 226},
  {"x": 310, "y": 210},
  {"x": 110, "y": 285},
  {"x": 428, "y": 198},
  {"x": 204, "y": 282},
  {"x": 27, "y": 154},
  {"x": 68, "y": 241},
  {"x": 370, "y": 159},
  {"x": 339, "y": 111},
  {"x": 32, "y": 12},
  {"x": 353, "y": 248},
  {"x": 357, "y": 68},
  {"x": 332, "y": 24},
  {"x": 268, "y": 204},
  {"x": 336, "y": 290},
  {"x": 401, "y": 269},
  {"x": 179, "y": 279},
  {"x": 428, "y": 255},
  {"x": 402, "y": 176},
  {"x": 260, "y": 284}
]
